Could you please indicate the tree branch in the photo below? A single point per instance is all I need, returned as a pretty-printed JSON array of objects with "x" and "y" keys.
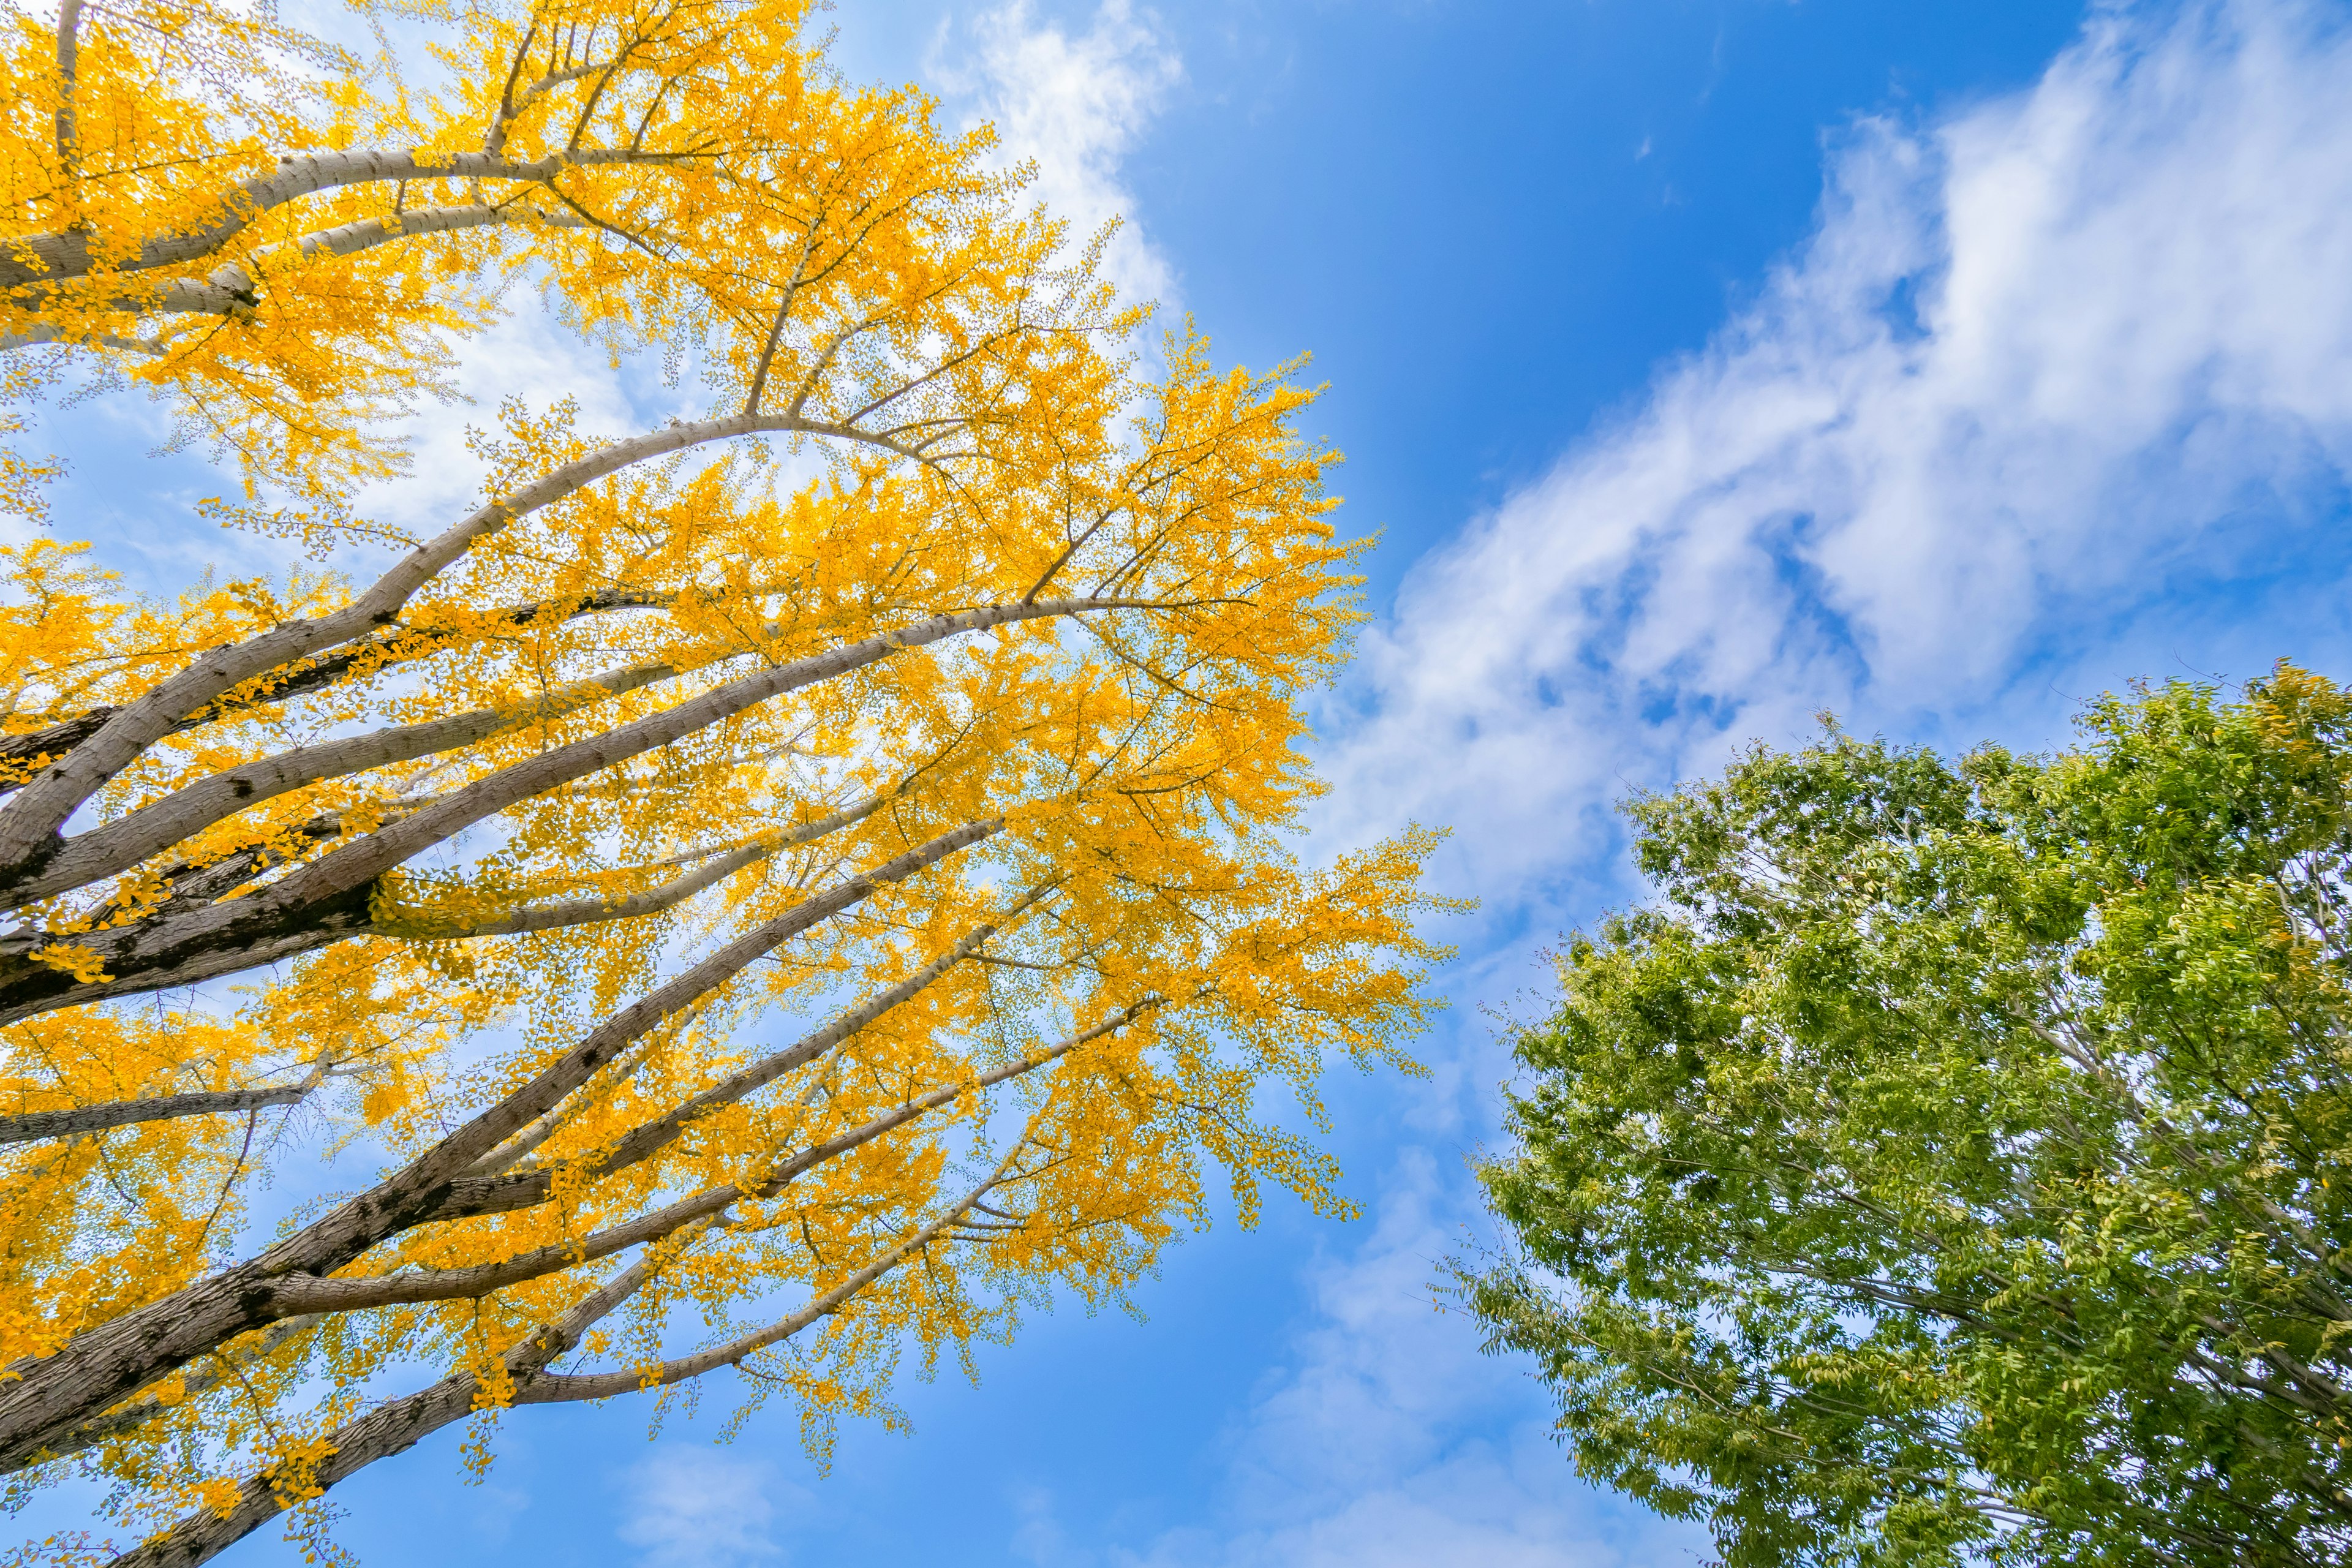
[
  {"x": 189, "y": 810},
  {"x": 69, "y": 69},
  {"x": 47, "y": 1394},
  {"x": 294, "y": 904},
  {"x": 65, "y": 256},
  {"x": 318, "y": 674},
  {"x": 29, "y": 824},
  {"x": 32, "y": 1125}
]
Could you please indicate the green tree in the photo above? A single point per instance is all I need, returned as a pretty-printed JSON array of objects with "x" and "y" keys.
[{"x": 1950, "y": 1167}]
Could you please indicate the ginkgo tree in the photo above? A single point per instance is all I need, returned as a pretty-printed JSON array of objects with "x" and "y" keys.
[{"x": 784, "y": 891}]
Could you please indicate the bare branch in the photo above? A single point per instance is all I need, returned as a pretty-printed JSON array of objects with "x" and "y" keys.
[{"x": 32, "y": 1125}]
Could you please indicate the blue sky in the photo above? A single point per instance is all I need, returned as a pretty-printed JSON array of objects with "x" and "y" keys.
[{"x": 1704, "y": 363}]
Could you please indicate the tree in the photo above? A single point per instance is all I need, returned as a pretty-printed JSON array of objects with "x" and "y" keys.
[
  {"x": 822, "y": 863},
  {"x": 1944, "y": 1170}
]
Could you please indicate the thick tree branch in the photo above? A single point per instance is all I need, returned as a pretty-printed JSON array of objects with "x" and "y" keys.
[
  {"x": 189, "y": 810},
  {"x": 398, "y": 1425},
  {"x": 29, "y": 824},
  {"x": 651, "y": 900},
  {"x": 137, "y": 1413},
  {"x": 318, "y": 674},
  {"x": 77, "y": 1121},
  {"x": 274, "y": 913},
  {"x": 35, "y": 260},
  {"x": 232, "y": 287},
  {"x": 306, "y": 1294},
  {"x": 390, "y": 1428},
  {"x": 69, "y": 69},
  {"x": 49, "y": 1394}
]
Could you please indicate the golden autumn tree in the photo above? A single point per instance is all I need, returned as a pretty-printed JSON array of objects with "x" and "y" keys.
[{"x": 818, "y": 871}]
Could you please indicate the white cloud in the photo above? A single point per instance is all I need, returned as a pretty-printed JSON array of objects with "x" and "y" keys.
[
  {"x": 2051, "y": 376},
  {"x": 1040, "y": 1538},
  {"x": 696, "y": 1508},
  {"x": 2042, "y": 365},
  {"x": 1075, "y": 105}
]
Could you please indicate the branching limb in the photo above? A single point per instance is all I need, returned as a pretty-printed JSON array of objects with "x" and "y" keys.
[
  {"x": 40, "y": 332},
  {"x": 652, "y": 901},
  {"x": 321, "y": 672},
  {"x": 390, "y": 1428},
  {"x": 189, "y": 810},
  {"x": 45, "y": 260},
  {"x": 137, "y": 1412},
  {"x": 30, "y": 823},
  {"x": 304, "y": 1293},
  {"x": 223, "y": 937},
  {"x": 397, "y": 1424},
  {"x": 555, "y": 1388},
  {"x": 81, "y": 1120},
  {"x": 47, "y": 1396}
]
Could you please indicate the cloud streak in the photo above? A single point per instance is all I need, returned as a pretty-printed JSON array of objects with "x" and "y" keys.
[
  {"x": 696, "y": 1508},
  {"x": 2055, "y": 388},
  {"x": 1390, "y": 1442},
  {"x": 1074, "y": 105},
  {"x": 2042, "y": 363}
]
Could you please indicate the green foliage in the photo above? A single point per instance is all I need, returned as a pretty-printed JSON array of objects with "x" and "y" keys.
[{"x": 1951, "y": 1168}]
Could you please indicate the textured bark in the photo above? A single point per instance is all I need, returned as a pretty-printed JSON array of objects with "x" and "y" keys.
[
  {"x": 130, "y": 1418},
  {"x": 311, "y": 675},
  {"x": 313, "y": 1295},
  {"x": 189, "y": 810},
  {"x": 68, "y": 69},
  {"x": 390, "y": 1428},
  {"x": 328, "y": 923},
  {"x": 234, "y": 285},
  {"x": 83, "y": 1119}
]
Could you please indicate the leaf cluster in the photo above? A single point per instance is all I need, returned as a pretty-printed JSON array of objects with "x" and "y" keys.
[
  {"x": 778, "y": 894},
  {"x": 1947, "y": 1169}
]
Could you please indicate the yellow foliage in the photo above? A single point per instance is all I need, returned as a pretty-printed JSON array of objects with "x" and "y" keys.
[{"x": 844, "y": 912}]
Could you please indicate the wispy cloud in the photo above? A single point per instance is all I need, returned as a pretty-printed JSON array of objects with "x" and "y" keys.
[
  {"x": 1075, "y": 105},
  {"x": 2048, "y": 370},
  {"x": 696, "y": 1508},
  {"x": 2055, "y": 376}
]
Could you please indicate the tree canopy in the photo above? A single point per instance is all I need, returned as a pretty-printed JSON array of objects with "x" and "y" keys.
[
  {"x": 1944, "y": 1169},
  {"x": 785, "y": 889}
]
